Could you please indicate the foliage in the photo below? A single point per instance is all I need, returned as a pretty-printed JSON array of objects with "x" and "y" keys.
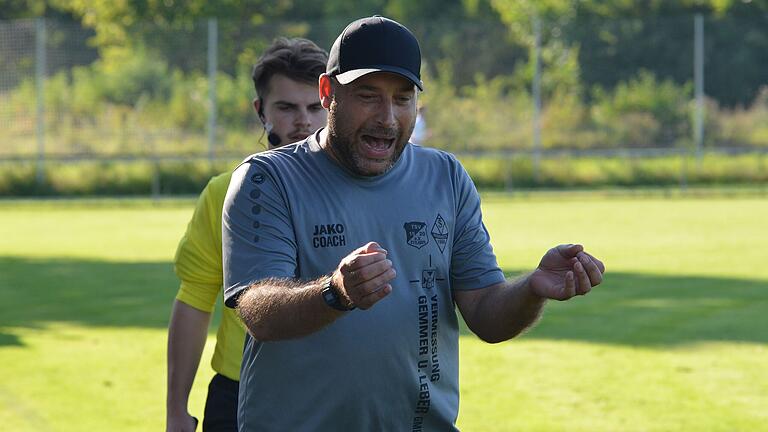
[
  {"x": 488, "y": 115},
  {"x": 565, "y": 122},
  {"x": 187, "y": 105},
  {"x": 109, "y": 178},
  {"x": 643, "y": 112},
  {"x": 90, "y": 178},
  {"x": 625, "y": 35},
  {"x": 144, "y": 89},
  {"x": 617, "y": 38},
  {"x": 148, "y": 92},
  {"x": 739, "y": 126},
  {"x": 132, "y": 77}
]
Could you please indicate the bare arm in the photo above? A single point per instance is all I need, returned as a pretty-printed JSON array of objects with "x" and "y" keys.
[
  {"x": 503, "y": 311},
  {"x": 276, "y": 309},
  {"x": 187, "y": 333},
  {"x": 500, "y": 312}
]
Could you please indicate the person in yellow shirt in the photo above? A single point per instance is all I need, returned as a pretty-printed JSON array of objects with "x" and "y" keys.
[{"x": 289, "y": 108}]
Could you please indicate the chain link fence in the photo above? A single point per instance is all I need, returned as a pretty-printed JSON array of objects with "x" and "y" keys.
[{"x": 548, "y": 92}]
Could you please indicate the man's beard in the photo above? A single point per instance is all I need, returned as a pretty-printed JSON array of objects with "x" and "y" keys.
[{"x": 340, "y": 141}]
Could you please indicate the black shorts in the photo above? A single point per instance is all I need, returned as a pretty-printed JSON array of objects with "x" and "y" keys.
[{"x": 221, "y": 405}]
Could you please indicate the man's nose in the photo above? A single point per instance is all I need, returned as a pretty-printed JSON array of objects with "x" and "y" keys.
[
  {"x": 302, "y": 119},
  {"x": 386, "y": 114}
]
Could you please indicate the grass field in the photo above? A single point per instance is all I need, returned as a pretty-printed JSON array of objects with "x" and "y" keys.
[{"x": 676, "y": 339}]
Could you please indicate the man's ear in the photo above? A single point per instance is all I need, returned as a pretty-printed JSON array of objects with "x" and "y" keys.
[
  {"x": 257, "y": 105},
  {"x": 259, "y": 109},
  {"x": 325, "y": 88}
]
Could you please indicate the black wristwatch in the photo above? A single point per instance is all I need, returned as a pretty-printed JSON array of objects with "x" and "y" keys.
[{"x": 332, "y": 297}]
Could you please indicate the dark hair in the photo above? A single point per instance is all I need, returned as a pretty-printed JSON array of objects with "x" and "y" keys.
[{"x": 297, "y": 58}]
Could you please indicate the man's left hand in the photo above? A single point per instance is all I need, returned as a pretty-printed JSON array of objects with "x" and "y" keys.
[{"x": 566, "y": 271}]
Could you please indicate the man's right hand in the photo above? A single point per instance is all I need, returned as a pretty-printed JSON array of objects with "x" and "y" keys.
[
  {"x": 363, "y": 276},
  {"x": 181, "y": 423}
]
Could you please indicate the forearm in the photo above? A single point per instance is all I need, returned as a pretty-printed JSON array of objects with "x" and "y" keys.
[
  {"x": 505, "y": 311},
  {"x": 277, "y": 309},
  {"x": 187, "y": 333}
]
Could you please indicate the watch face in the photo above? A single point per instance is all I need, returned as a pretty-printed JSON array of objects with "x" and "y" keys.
[{"x": 331, "y": 297}]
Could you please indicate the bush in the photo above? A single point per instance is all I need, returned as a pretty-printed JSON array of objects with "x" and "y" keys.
[
  {"x": 134, "y": 105},
  {"x": 132, "y": 77},
  {"x": 489, "y": 115},
  {"x": 178, "y": 178},
  {"x": 88, "y": 178},
  {"x": 742, "y": 127},
  {"x": 234, "y": 97},
  {"x": 187, "y": 107},
  {"x": 563, "y": 121},
  {"x": 643, "y": 112}
]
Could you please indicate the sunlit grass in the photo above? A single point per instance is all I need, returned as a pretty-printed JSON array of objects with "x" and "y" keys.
[{"x": 675, "y": 339}]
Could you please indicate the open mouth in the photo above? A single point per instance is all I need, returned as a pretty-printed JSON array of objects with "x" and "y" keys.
[{"x": 377, "y": 147}]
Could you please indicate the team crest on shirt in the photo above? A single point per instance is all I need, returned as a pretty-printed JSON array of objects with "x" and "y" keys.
[
  {"x": 416, "y": 234},
  {"x": 440, "y": 232}
]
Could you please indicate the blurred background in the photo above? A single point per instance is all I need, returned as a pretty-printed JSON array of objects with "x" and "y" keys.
[
  {"x": 639, "y": 128},
  {"x": 152, "y": 97}
]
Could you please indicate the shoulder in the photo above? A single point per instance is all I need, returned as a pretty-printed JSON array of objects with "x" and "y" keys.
[
  {"x": 279, "y": 157},
  {"x": 217, "y": 186},
  {"x": 432, "y": 154},
  {"x": 444, "y": 169},
  {"x": 272, "y": 173},
  {"x": 219, "y": 181},
  {"x": 279, "y": 164},
  {"x": 211, "y": 199},
  {"x": 436, "y": 158}
]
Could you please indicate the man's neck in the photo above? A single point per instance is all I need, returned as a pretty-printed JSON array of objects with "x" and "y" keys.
[{"x": 326, "y": 146}]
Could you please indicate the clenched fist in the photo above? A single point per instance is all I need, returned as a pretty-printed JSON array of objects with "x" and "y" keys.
[{"x": 363, "y": 276}]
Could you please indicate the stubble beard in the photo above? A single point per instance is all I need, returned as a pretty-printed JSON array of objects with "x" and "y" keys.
[{"x": 340, "y": 141}]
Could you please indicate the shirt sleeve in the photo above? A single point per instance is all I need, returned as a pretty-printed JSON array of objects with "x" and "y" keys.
[
  {"x": 198, "y": 256},
  {"x": 473, "y": 263},
  {"x": 258, "y": 240}
]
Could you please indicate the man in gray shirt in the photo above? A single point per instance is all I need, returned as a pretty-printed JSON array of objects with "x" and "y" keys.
[{"x": 347, "y": 254}]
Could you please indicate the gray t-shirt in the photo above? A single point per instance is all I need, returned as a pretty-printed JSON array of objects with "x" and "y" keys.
[{"x": 295, "y": 213}]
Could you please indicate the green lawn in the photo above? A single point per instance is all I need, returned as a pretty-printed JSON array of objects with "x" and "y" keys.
[{"x": 676, "y": 339}]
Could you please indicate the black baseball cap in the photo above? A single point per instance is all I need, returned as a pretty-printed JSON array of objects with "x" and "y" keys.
[{"x": 375, "y": 44}]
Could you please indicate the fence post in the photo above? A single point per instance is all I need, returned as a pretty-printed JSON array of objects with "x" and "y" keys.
[
  {"x": 212, "y": 55},
  {"x": 40, "y": 67},
  {"x": 698, "y": 74},
  {"x": 684, "y": 156},
  {"x": 536, "y": 90},
  {"x": 155, "y": 187}
]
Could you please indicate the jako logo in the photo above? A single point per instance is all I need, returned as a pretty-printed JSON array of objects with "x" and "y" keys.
[{"x": 328, "y": 235}]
